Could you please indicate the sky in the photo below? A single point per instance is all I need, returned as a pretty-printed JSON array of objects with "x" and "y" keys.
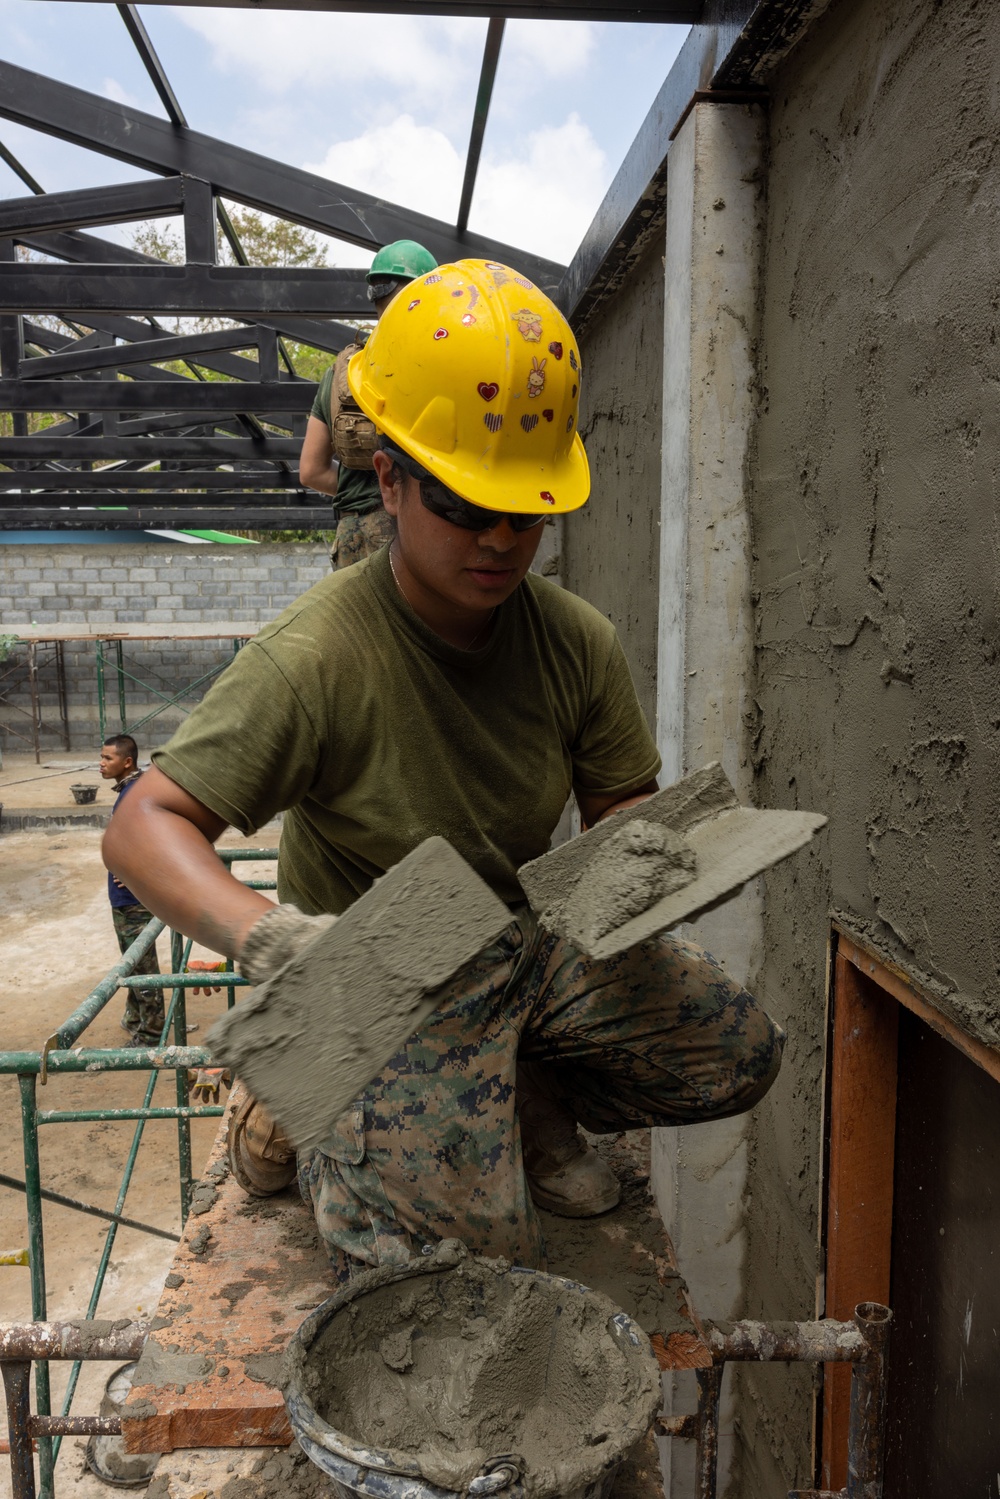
[{"x": 380, "y": 103}]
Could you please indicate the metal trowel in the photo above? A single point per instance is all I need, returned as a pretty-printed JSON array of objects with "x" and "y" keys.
[{"x": 671, "y": 857}]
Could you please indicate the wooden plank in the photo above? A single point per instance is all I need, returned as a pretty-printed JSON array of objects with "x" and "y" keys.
[
  {"x": 914, "y": 997},
  {"x": 212, "y": 629},
  {"x": 860, "y": 1175}
]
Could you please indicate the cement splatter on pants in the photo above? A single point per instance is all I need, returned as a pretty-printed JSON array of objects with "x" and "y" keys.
[
  {"x": 358, "y": 536},
  {"x": 656, "y": 1035},
  {"x": 144, "y": 1013}
]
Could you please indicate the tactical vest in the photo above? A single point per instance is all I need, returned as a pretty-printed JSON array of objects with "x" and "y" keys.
[{"x": 353, "y": 434}]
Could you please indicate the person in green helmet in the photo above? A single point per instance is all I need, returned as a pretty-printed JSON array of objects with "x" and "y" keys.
[{"x": 338, "y": 433}]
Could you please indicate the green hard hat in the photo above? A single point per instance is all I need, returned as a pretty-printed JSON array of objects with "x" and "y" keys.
[{"x": 403, "y": 260}]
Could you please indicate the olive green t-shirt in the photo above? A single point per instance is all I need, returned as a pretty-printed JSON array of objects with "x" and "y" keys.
[
  {"x": 371, "y": 733},
  {"x": 358, "y": 489}
]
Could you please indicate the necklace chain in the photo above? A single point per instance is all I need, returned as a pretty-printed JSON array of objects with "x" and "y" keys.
[{"x": 479, "y": 633}]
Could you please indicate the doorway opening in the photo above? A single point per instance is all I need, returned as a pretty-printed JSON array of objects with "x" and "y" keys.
[{"x": 912, "y": 1219}]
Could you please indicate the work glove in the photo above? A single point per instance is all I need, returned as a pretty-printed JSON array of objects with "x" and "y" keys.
[
  {"x": 276, "y": 938},
  {"x": 206, "y": 1082},
  {"x": 197, "y": 966}
]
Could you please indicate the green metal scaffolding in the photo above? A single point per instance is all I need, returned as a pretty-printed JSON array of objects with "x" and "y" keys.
[{"x": 62, "y": 1053}]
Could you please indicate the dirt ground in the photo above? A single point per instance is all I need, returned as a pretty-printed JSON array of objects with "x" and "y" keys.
[
  {"x": 56, "y": 943},
  {"x": 25, "y": 784}
]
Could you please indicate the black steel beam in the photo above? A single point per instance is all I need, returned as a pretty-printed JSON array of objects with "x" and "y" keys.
[
  {"x": 187, "y": 291},
  {"x": 19, "y": 170},
  {"x": 89, "y": 249},
  {"x": 144, "y": 47},
  {"x": 50, "y": 480},
  {"x": 203, "y": 397},
  {"x": 147, "y": 449},
  {"x": 156, "y": 145},
  {"x": 248, "y": 499},
  {"x": 282, "y": 518},
  {"x": 487, "y": 78},
  {"x": 71, "y": 361},
  {"x": 674, "y": 12},
  {"x": 116, "y": 203}
]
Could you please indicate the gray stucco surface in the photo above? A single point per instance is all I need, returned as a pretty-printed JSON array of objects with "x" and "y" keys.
[
  {"x": 611, "y": 547},
  {"x": 875, "y": 537}
]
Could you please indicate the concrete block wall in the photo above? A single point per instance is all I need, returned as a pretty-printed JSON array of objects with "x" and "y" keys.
[{"x": 159, "y": 585}]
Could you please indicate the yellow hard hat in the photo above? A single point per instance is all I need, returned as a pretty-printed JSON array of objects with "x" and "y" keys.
[{"x": 475, "y": 373}]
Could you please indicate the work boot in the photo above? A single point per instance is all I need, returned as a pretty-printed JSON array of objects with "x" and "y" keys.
[
  {"x": 565, "y": 1174},
  {"x": 261, "y": 1156}
]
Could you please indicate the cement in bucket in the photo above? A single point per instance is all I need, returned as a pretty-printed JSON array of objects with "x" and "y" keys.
[{"x": 454, "y": 1376}]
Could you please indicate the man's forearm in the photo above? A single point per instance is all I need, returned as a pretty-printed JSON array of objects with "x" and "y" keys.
[{"x": 168, "y": 861}]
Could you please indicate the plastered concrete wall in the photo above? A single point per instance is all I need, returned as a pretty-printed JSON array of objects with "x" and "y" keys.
[
  {"x": 611, "y": 547},
  {"x": 159, "y": 585},
  {"x": 875, "y": 539}
]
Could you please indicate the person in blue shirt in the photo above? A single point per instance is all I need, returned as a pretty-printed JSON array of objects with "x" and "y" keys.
[{"x": 143, "y": 1018}]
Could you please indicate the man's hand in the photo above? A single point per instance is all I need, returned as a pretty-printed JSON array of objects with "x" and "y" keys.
[
  {"x": 206, "y": 1082},
  {"x": 594, "y": 808},
  {"x": 197, "y": 966},
  {"x": 276, "y": 938}
]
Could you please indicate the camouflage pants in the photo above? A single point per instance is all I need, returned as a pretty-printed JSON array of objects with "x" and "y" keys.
[
  {"x": 144, "y": 1014},
  {"x": 358, "y": 536},
  {"x": 654, "y": 1036}
]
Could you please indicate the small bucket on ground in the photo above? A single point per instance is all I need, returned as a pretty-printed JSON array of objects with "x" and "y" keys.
[
  {"x": 84, "y": 795},
  {"x": 455, "y": 1376},
  {"x": 106, "y": 1456}
]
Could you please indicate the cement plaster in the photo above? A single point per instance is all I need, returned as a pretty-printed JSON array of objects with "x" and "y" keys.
[
  {"x": 459, "y": 1365},
  {"x": 611, "y": 546},
  {"x": 875, "y": 534}
]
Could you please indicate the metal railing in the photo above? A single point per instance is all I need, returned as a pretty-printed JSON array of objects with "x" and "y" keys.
[{"x": 62, "y": 1054}]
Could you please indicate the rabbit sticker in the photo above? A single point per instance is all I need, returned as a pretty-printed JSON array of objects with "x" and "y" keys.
[{"x": 536, "y": 376}]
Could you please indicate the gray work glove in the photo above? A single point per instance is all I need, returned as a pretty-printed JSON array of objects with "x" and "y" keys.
[{"x": 276, "y": 938}]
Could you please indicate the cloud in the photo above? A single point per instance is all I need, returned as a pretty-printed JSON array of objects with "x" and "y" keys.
[
  {"x": 112, "y": 89},
  {"x": 555, "y": 49},
  {"x": 347, "y": 55},
  {"x": 540, "y": 194}
]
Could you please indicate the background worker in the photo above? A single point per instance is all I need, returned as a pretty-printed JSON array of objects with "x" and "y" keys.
[
  {"x": 440, "y": 687},
  {"x": 144, "y": 1016},
  {"x": 338, "y": 429}
]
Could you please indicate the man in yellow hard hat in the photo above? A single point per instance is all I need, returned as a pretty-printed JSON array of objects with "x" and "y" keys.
[
  {"x": 439, "y": 687},
  {"x": 338, "y": 429}
]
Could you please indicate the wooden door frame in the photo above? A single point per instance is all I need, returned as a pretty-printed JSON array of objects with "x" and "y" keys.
[{"x": 864, "y": 994}]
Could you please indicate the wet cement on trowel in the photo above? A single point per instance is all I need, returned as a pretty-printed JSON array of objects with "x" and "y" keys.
[
  {"x": 309, "y": 1040},
  {"x": 461, "y": 1366},
  {"x": 638, "y": 865}
]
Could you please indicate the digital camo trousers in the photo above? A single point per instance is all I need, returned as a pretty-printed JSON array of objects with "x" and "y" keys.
[
  {"x": 144, "y": 1007},
  {"x": 358, "y": 536},
  {"x": 658, "y": 1035}
]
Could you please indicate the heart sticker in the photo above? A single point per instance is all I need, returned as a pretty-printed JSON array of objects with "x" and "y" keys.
[
  {"x": 529, "y": 423},
  {"x": 556, "y": 349},
  {"x": 468, "y": 320},
  {"x": 441, "y": 333},
  {"x": 548, "y": 414},
  {"x": 493, "y": 420},
  {"x": 489, "y": 390},
  {"x": 549, "y": 499},
  {"x": 414, "y": 303}
]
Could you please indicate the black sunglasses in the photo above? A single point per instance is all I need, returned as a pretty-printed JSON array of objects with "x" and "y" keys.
[{"x": 439, "y": 500}]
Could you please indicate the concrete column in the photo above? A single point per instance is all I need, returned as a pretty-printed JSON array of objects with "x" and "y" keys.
[{"x": 715, "y": 190}]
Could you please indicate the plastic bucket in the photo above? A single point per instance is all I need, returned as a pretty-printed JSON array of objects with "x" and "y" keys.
[
  {"x": 84, "y": 795},
  {"x": 623, "y": 1370},
  {"x": 106, "y": 1456}
]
